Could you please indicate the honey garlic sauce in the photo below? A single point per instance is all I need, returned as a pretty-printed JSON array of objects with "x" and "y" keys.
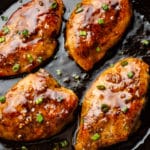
[
  {"x": 37, "y": 94},
  {"x": 36, "y": 87},
  {"x": 29, "y": 18},
  {"x": 121, "y": 90},
  {"x": 30, "y": 36},
  {"x": 94, "y": 27},
  {"x": 87, "y": 20}
]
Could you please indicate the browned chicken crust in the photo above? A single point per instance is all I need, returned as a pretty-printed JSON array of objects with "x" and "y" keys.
[
  {"x": 29, "y": 36},
  {"x": 94, "y": 27},
  {"x": 36, "y": 107},
  {"x": 112, "y": 105}
]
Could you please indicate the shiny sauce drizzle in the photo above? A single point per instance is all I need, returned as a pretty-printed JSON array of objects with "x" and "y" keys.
[
  {"x": 116, "y": 90},
  {"x": 36, "y": 87},
  {"x": 39, "y": 95},
  {"x": 96, "y": 23},
  {"x": 26, "y": 19}
]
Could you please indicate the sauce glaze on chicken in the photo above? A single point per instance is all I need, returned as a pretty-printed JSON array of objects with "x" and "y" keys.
[
  {"x": 112, "y": 105},
  {"x": 36, "y": 107},
  {"x": 29, "y": 36},
  {"x": 94, "y": 27}
]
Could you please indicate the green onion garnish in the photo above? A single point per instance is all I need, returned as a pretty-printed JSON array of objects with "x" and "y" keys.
[
  {"x": 130, "y": 75},
  {"x": 5, "y": 30},
  {"x": 25, "y": 33},
  {"x": 98, "y": 49},
  {"x": 40, "y": 59},
  {"x": 124, "y": 109},
  {"x": 78, "y": 8},
  {"x": 105, "y": 7},
  {"x": 101, "y": 87},
  {"x": 124, "y": 63},
  {"x": 64, "y": 143},
  {"x": 30, "y": 58},
  {"x": 100, "y": 21},
  {"x": 4, "y": 18},
  {"x": 2, "y": 39},
  {"x": 58, "y": 72},
  {"x": 2, "y": 99},
  {"x": 145, "y": 42},
  {"x": 24, "y": 148},
  {"x": 105, "y": 108},
  {"x": 39, "y": 100},
  {"x": 16, "y": 67},
  {"x": 39, "y": 118},
  {"x": 95, "y": 137},
  {"x": 82, "y": 33},
  {"x": 53, "y": 5}
]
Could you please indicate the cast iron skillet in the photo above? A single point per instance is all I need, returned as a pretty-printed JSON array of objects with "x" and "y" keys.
[{"x": 75, "y": 78}]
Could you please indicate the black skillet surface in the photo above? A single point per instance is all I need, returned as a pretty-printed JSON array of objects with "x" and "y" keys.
[{"x": 75, "y": 78}]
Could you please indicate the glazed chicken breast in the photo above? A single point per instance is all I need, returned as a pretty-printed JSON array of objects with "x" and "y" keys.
[
  {"x": 36, "y": 107},
  {"x": 29, "y": 36},
  {"x": 113, "y": 104},
  {"x": 94, "y": 27}
]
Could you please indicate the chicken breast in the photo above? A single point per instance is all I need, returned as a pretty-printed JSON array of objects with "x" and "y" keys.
[
  {"x": 36, "y": 107},
  {"x": 94, "y": 27},
  {"x": 112, "y": 105},
  {"x": 29, "y": 36}
]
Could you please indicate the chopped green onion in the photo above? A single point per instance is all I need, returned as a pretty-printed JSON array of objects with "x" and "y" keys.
[
  {"x": 105, "y": 7},
  {"x": 39, "y": 100},
  {"x": 120, "y": 52},
  {"x": 40, "y": 59},
  {"x": 145, "y": 42},
  {"x": 54, "y": 5},
  {"x": 30, "y": 58},
  {"x": 16, "y": 67},
  {"x": 2, "y": 99},
  {"x": 58, "y": 72},
  {"x": 2, "y": 39},
  {"x": 25, "y": 33},
  {"x": 105, "y": 108},
  {"x": 5, "y": 30},
  {"x": 130, "y": 75},
  {"x": 4, "y": 18},
  {"x": 101, "y": 87},
  {"x": 24, "y": 148},
  {"x": 78, "y": 8},
  {"x": 56, "y": 146},
  {"x": 64, "y": 143},
  {"x": 39, "y": 118},
  {"x": 75, "y": 76},
  {"x": 95, "y": 137},
  {"x": 82, "y": 33},
  {"x": 124, "y": 63},
  {"x": 111, "y": 65},
  {"x": 125, "y": 109},
  {"x": 55, "y": 57},
  {"x": 98, "y": 49},
  {"x": 100, "y": 21}
]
